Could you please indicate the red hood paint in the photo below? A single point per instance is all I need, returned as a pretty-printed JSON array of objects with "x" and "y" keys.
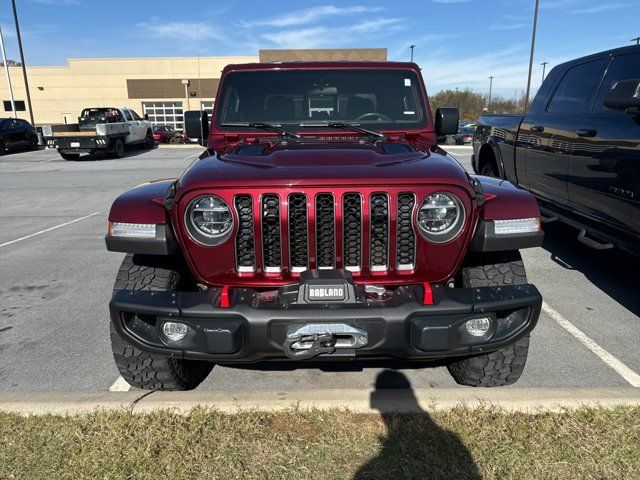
[{"x": 326, "y": 165}]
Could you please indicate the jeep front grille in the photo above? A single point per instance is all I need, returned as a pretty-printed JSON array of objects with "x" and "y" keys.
[{"x": 304, "y": 230}]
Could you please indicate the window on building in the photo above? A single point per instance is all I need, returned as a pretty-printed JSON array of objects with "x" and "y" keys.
[
  {"x": 207, "y": 106},
  {"x": 577, "y": 88},
  {"x": 20, "y": 107},
  {"x": 165, "y": 113}
]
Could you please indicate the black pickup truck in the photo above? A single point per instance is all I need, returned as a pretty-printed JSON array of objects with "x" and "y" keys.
[{"x": 577, "y": 149}]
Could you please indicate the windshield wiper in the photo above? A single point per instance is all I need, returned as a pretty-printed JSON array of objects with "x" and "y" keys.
[
  {"x": 345, "y": 126},
  {"x": 264, "y": 126}
]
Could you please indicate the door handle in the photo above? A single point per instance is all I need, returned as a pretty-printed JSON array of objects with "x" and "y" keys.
[
  {"x": 537, "y": 128},
  {"x": 587, "y": 132}
]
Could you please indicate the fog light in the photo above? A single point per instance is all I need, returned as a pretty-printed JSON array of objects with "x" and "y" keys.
[
  {"x": 478, "y": 326},
  {"x": 174, "y": 331}
]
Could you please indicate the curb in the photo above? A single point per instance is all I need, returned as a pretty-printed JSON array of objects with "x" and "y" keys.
[{"x": 526, "y": 400}]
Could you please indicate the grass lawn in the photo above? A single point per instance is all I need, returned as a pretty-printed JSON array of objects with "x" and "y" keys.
[{"x": 458, "y": 444}]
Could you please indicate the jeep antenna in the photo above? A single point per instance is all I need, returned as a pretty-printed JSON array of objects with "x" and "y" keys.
[{"x": 6, "y": 71}]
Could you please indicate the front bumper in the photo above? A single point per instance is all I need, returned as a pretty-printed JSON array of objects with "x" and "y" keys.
[{"x": 255, "y": 327}]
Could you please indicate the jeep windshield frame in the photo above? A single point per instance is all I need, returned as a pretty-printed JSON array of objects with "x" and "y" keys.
[{"x": 373, "y": 98}]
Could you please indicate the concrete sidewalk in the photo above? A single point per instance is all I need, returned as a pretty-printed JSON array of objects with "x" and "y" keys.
[{"x": 528, "y": 400}]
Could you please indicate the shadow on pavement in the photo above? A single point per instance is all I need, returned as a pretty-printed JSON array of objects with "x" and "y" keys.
[
  {"x": 415, "y": 446},
  {"x": 615, "y": 272}
]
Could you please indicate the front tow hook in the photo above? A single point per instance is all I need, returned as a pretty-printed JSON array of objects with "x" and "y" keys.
[{"x": 320, "y": 343}]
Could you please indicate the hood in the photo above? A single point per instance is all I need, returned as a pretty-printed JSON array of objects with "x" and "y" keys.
[{"x": 290, "y": 164}]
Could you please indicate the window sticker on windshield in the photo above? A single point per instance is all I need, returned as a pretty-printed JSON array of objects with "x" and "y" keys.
[
  {"x": 407, "y": 82},
  {"x": 409, "y": 112}
]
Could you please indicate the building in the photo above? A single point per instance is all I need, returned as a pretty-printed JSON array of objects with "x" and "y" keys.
[{"x": 163, "y": 88}]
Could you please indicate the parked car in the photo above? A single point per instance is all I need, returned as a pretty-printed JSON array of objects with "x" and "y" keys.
[
  {"x": 105, "y": 129},
  {"x": 16, "y": 134},
  {"x": 464, "y": 135},
  {"x": 322, "y": 223},
  {"x": 167, "y": 134},
  {"x": 577, "y": 149}
]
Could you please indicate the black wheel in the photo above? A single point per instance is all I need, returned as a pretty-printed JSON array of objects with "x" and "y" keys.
[
  {"x": 2, "y": 148},
  {"x": 118, "y": 149},
  {"x": 70, "y": 156},
  {"x": 489, "y": 170},
  {"x": 150, "y": 371},
  {"x": 149, "y": 141},
  {"x": 505, "y": 366}
]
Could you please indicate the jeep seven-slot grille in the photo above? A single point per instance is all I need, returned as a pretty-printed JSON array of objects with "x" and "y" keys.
[
  {"x": 379, "y": 241},
  {"x": 245, "y": 249},
  {"x": 325, "y": 230},
  {"x": 271, "y": 241},
  {"x": 298, "y": 232},
  {"x": 405, "y": 235},
  {"x": 365, "y": 230},
  {"x": 352, "y": 231}
]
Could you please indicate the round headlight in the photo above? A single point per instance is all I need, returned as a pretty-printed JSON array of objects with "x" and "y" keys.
[
  {"x": 441, "y": 217},
  {"x": 209, "y": 220}
]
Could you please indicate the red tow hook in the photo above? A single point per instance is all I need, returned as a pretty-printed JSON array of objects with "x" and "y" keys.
[
  {"x": 427, "y": 298},
  {"x": 225, "y": 301}
]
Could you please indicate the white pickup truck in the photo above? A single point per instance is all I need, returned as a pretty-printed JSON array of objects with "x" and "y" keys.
[{"x": 100, "y": 129}]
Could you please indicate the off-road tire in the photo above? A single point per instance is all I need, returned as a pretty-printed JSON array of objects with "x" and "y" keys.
[
  {"x": 149, "y": 141},
  {"x": 70, "y": 156},
  {"x": 489, "y": 170},
  {"x": 502, "y": 367},
  {"x": 118, "y": 149},
  {"x": 150, "y": 371}
]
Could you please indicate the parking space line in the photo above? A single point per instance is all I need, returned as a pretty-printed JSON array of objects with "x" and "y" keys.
[
  {"x": 49, "y": 229},
  {"x": 120, "y": 385},
  {"x": 620, "y": 368}
]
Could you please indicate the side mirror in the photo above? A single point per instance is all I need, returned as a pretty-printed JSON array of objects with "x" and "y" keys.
[
  {"x": 146, "y": 116},
  {"x": 196, "y": 125},
  {"x": 624, "y": 95},
  {"x": 447, "y": 120}
]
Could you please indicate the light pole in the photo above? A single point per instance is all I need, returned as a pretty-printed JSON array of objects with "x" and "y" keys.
[
  {"x": 6, "y": 71},
  {"x": 544, "y": 66},
  {"x": 637, "y": 40},
  {"x": 24, "y": 68},
  {"x": 533, "y": 46},
  {"x": 490, "y": 87},
  {"x": 412, "y": 47}
]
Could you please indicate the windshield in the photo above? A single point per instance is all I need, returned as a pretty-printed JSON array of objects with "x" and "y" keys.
[{"x": 380, "y": 99}]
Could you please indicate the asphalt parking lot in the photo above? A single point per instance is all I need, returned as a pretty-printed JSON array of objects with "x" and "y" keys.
[{"x": 57, "y": 277}]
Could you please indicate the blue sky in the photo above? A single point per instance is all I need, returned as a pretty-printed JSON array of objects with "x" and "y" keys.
[{"x": 459, "y": 43}]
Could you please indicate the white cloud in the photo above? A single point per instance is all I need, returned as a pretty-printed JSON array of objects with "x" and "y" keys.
[
  {"x": 321, "y": 36},
  {"x": 506, "y": 26},
  {"x": 311, "y": 15},
  {"x": 179, "y": 30},
  {"x": 600, "y": 8}
]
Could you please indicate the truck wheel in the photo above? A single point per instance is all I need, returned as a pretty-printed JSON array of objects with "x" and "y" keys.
[
  {"x": 70, "y": 156},
  {"x": 150, "y": 371},
  {"x": 149, "y": 142},
  {"x": 118, "y": 149},
  {"x": 489, "y": 170},
  {"x": 502, "y": 367}
]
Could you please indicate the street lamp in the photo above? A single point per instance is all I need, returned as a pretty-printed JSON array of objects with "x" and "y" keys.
[
  {"x": 533, "y": 46},
  {"x": 544, "y": 66},
  {"x": 637, "y": 40},
  {"x": 24, "y": 68},
  {"x": 490, "y": 87},
  {"x": 412, "y": 47}
]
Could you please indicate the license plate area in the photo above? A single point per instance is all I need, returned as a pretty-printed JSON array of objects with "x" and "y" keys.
[
  {"x": 313, "y": 339},
  {"x": 75, "y": 144}
]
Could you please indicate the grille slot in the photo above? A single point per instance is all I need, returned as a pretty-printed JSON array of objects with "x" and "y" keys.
[
  {"x": 298, "y": 232},
  {"x": 352, "y": 231},
  {"x": 325, "y": 230},
  {"x": 379, "y": 240},
  {"x": 405, "y": 235},
  {"x": 245, "y": 247},
  {"x": 271, "y": 241}
]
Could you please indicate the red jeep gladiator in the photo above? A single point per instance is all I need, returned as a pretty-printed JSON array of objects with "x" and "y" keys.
[{"x": 322, "y": 223}]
